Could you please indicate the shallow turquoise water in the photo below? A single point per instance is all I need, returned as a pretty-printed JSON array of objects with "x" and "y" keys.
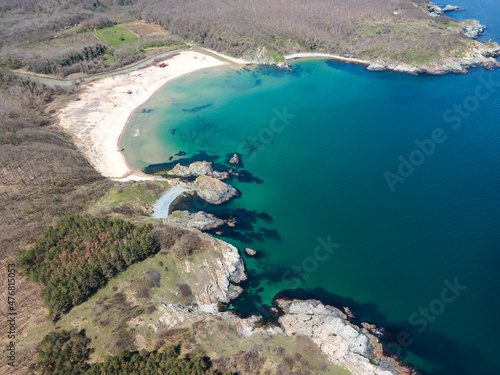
[{"x": 321, "y": 139}]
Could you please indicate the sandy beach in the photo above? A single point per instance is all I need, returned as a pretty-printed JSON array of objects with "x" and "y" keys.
[
  {"x": 98, "y": 118},
  {"x": 334, "y": 57}
]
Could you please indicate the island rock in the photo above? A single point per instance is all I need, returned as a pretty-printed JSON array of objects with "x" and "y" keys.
[
  {"x": 214, "y": 191},
  {"x": 250, "y": 252},
  {"x": 235, "y": 159}
]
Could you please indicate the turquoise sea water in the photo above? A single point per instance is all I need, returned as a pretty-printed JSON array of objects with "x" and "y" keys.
[{"x": 322, "y": 140}]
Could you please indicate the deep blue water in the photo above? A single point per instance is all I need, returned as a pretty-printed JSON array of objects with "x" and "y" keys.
[{"x": 323, "y": 140}]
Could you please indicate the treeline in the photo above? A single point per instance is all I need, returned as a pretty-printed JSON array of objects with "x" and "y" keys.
[
  {"x": 67, "y": 352},
  {"x": 361, "y": 27},
  {"x": 79, "y": 254}
]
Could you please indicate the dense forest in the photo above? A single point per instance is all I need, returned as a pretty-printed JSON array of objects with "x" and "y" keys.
[
  {"x": 79, "y": 254},
  {"x": 67, "y": 352}
]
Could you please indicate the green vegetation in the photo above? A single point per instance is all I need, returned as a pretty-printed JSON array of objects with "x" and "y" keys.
[
  {"x": 67, "y": 352},
  {"x": 63, "y": 352},
  {"x": 128, "y": 193},
  {"x": 78, "y": 255},
  {"x": 132, "y": 199},
  {"x": 167, "y": 361},
  {"x": 116, "y": 35},
  {"x": 277, "y": 57}
]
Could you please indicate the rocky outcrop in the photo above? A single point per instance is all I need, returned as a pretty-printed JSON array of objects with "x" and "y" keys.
[
  {"x": 208, "y": 188},
  {"x": 346, "y": 344},
  {"x": 473, "y": 29},
  {"x": 218, "y": 285},
  {"x": 481, "y": 55},
  {"x": 235, "y": 160},
  {"x": 263, "y": 56},
  {"x": 198, "y": 168},
  {"x": 436, "y": 11},
  {"x": 250, "y": 252},
  {"x": 199, "y": 220},
  {"x": 214, "y": 191},
  {"x": 452, "y": 8}
]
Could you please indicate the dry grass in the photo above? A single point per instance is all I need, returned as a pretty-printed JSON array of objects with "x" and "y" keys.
[{"x": 142, "y": 29}]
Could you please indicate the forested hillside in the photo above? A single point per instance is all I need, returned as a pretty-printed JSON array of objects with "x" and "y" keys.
[
  {"x": 366, "y": 28},
  {"x": 67, "y": 352},
  {"x": 60, "y": 37},
  {"x": 78, "y": 255},
  {"x": 43, "y": 177}
]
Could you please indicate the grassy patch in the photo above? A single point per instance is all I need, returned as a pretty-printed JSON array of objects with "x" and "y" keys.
[
  {"x": 116, "y": 35},
  {"x": 144, "y": 30},
  {"x": 452, "y": 24},
  {"x": 110, "y": 59},
  {"x": 276, "y": 56},
  {"x": 129, "y": 197}
]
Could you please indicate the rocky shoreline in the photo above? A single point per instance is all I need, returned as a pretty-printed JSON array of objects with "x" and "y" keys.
[
  {"x": 482, "y": 55},
  {"x": 355, "y": 348},
  {"x": 476, "y": 54}
]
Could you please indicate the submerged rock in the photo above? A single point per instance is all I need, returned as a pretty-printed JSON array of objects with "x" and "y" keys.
[{"x": 199, "y": 220}]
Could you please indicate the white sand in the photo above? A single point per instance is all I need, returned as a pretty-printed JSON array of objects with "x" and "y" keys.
[
  {"x": 335, "y": 57},
  {"x": 99, "y": 117}
]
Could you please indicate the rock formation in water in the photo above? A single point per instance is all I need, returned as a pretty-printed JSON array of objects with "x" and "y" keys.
[
  {"x": 250, "y": 252},
  {"x": 198, "y": 168},
  {"x": 214, "y": 191},
  {"x": 235, "y": 160},
  {"x": 199, "y": 220},
  {"x": 452, "y": 8},
  {"x": 208, "y": 188}
]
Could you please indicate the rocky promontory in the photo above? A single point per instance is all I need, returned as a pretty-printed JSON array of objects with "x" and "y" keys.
[
  {"x": 346, "y": 344},
  {"x": 482, "y": 54},
  {"x": 199, "y": 220},
  {"x": 473, "y": 29},
  {"x": 209, "y": 189},
  {"x": 213, "y": 191},
  {"x": 436, "y": 11}
]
